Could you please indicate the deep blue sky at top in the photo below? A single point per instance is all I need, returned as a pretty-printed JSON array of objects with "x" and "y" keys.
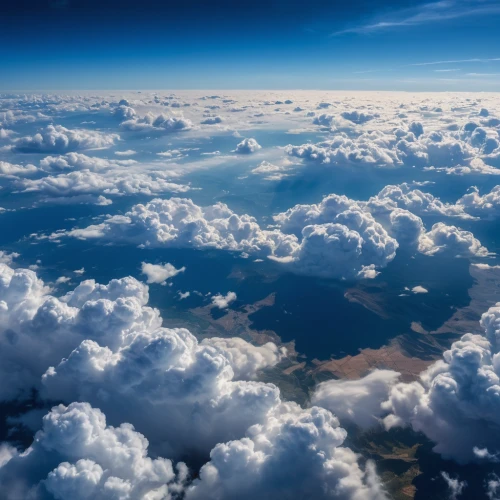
[{"x": 260, "y": 44}]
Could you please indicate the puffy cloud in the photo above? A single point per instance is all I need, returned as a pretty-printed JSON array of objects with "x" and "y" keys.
[
  {"x": 271, "y": 172},
  {"x": 246, "y": 359},
  {"x": 16, "y": 116},
  {"x": 324, "y": 120},
  {"x": 357, "y": 116},
  {"x": 403, "y": 225},
  {"x": 37, "y": 329},
  {"x": 212, "y": 120},
  {"x": 116, "y": 182},
  {"x": 476, "y": 166},
  {"x": 455, "y": 403},
  {"x": 337, "y": 250},
  {"x": 357, "y": 401},
  {"x": 59, "y": 139},
  {"x": 339, "y": 238},
  {"x": 416, "y": 201},
  {"x": 179, "y": 222},
  {"x": 124, "y": 112},
  {"x": 69, "y": 184},
  {"x": 78, "y": 178},
  {"x": 451, "y": 148},
  {"x": 160, "y": 123},
  {"x": 107, "y": 347},
  {"x": 442, "y": 238},
  {"x": 167, "y": 372},
  {"x": 160, "y": 273},
  {"x": 80, "y": 161},
  {"x": 368, "y": 233},
  {"x": 5, "y": 134},
  {"x": 295, "y": 453},
  {"x": 353, "y": 242},
  {"x": 8, "y": 258},
  {"x": 223, "y": 301},
  {"x": 62, "y": 279},
  {"x": 438, "y": 149},
  {"x": 9, "y": 169},
  {"x": 484, "y": 266},
  {"x": 202, "y": 389},
  {"x": 76, "y": 455},
  {"x": 327, "y": 211},
  {"x": 419, "y": 289},
  {"x": 416, "y": 128},
  {"x": 247, "y": 146},
  {"x": 343, "y": 150},
  {"x": 136, "y": 371},
  {"x": 485, "y": 206}
]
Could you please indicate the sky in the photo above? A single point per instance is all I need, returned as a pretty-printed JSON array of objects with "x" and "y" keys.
[{"x": 264, "y": 44}]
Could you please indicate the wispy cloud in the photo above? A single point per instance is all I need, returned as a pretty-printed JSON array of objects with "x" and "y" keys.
[
  {"x": 427, "y": 13},
  {"x": 456, "y": 61},
  {"x": 437, "y": 63},
  {"x": 483, "y": 74}
]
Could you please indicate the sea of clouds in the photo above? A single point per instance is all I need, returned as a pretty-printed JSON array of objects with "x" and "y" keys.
[{"x": 129, "y": 409}]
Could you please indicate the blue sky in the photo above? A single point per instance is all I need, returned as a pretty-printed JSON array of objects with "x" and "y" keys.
[{"x": 319, "y": 44}]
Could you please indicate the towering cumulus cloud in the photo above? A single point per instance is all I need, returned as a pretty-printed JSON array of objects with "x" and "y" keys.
[
  {"x": 76, "y": 455},
  {"x": 455, "y": 402},
  {"x": 339, "y": 237},
  {"x": 295, "y": 454},
  {"x": 451, "y": 239},
  {"x": 189, "y": 399},
  {"x": 38, "y": 329},
  {"x": 166, "y": 372}
]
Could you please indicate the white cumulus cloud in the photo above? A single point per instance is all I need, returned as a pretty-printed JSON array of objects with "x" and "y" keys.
[
  {"x": 160, "y": 273},
  {"x": 223, "y": 301},
  {"x": 247, "y": 146},
  {"x": 455, "y": 401},
  {"x": 358, "y": 401},
  {"x": 59, "y": 139},
  {"x": 77, "y": 455}
]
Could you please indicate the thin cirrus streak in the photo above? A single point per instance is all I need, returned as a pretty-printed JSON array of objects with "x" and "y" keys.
[{"x": 424, "y": 14}]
